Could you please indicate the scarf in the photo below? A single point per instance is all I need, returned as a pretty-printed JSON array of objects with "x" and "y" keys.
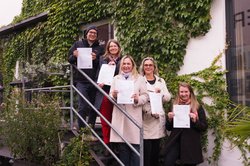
[
  {"x": 113, "y": 59},
  {"x": 126, "y": 75},
  {"x": 188, "y": 102}
]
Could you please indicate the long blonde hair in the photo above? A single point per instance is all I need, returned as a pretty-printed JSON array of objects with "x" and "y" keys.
[
  {"x": 134, "y": 71},
  {"x": 194, "y": 102},
  {"x": 141, "y": 69}
]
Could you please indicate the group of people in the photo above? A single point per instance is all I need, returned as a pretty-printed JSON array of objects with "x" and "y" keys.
[{"x": 183, "y": 144}]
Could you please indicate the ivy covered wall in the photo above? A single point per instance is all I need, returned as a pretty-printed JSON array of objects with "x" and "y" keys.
[{"x": 159, "y": 28}]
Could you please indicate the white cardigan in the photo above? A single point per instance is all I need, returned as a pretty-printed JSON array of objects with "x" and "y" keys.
[{"x": 155, "y": 128}]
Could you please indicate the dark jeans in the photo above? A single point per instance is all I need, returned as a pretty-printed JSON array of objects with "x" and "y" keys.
[
  {"x": 127, "y": 155},
  {"x": 151, "y": 152},
  {"x": 89, "y": 92}
]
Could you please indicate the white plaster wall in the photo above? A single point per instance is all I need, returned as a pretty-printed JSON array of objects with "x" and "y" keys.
[{"x": 201, "y": 51}]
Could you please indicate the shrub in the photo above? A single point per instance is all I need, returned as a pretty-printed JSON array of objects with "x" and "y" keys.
[{"x": 30, "y": 129}]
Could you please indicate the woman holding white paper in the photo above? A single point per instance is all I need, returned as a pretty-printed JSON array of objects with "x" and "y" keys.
[
  {"x": 122, "y": 124},
  {"x": 184, "y": 144},
  {"x": 154, "y": 118},
  {"x": 112, "y": 57}
]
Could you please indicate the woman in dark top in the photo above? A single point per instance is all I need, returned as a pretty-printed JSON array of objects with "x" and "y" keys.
[
  {"x": 184, "y": 144},
  {"x": 112, "y": 56}
]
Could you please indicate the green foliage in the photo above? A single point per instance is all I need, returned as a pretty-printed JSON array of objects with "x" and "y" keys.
[
  {"x": 76, "y": 153},
  {"x": 237, "y": 129},
  {"x": 30, "y": 129},
  {"x": 159, "y": 28}
]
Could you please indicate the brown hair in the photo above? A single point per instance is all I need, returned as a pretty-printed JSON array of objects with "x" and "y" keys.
[
  {"x": 141, "y": 69},
  {"x": 107, "y": 53},
  {"x": 194, "y": 102}
]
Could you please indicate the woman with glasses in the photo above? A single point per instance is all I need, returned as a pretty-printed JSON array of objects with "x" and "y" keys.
[
  {"x": 130, "y": 92},
  {"x": 184, "y": 143},
  {"x": 153, "y": 122}
]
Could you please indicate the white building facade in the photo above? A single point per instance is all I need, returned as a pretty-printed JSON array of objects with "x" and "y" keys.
[{"x": 230, "y": 25}]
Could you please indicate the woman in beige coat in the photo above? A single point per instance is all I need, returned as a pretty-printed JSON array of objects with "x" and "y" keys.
[
  {"x": 121, "y": 123},
  {"x": 153, "y": 123}
]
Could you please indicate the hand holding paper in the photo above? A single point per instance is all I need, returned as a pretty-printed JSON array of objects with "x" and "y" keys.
[
  {"x": 156, "y": 103},
  {"x": 181, "y": 116},
  {"x": 125, "y": 90},
  {"x": 106, "y": 74},
  {"x": 84, "y": 58}
]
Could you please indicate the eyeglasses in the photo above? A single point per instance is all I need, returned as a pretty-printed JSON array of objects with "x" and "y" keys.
[
  {"x": 148, "y": 65},
  {"x": 94, "y": 33}
]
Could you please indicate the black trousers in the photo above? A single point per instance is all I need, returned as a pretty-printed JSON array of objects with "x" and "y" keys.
[
  {"x": 173, "y": 154},
  {"x": 151, "y": 152},
  {"x": 89, "y": 92}
]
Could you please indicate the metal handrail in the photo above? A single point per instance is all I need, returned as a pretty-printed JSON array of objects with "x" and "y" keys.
[
  {"x": 73, "y": 110},
  {"x": 124, "y": 112},
  {"x": 47, "y": 88}
]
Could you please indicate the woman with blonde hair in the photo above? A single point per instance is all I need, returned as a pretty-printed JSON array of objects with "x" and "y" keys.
[
  {"x": 184, "y": 144},
  {"x": 153, "y": 123},
  {"x": 128, "y": 74}
]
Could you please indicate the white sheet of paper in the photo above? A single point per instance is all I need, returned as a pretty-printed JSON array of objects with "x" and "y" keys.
[
  {"x": 106, "y": 74},
  {"x": 84, "y": 58},
  {"x": 156, "y": 103},
  {"x": 181, "y": 116},
  {"x": 125, "y": 91}
]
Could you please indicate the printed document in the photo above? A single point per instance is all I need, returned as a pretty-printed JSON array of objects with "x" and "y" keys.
[
  {"x": 156, "y": 103},
  {"x": 181, "y": 116},
  {"x": 125, "y": 91},
  {"x": 84, "y": 58},
  {"x": 106, "y": 74}
]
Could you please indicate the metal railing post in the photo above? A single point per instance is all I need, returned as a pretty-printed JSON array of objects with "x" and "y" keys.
[
  {"x": 141, "y": 147},
  {"x": 140, "y": 154},
  {"x": 71, "y": 98}
]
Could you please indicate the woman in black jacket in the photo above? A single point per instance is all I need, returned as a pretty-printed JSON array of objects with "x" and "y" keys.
[{"x": 184, "y": 144}]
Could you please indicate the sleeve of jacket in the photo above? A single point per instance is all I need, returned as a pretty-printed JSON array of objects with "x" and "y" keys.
[
  {"x": 143, "y": 95},
  {"x": 201, "y": 123},
  {"x": 169, "y": 124},
  {"x": 99, "y": 52},
  {"x": 166, "y": 94},
  {"x": 113, "y": 85},
  {"x": 71, "y": 58}
]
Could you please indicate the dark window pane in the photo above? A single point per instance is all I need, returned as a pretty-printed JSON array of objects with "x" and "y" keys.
[{"x": 238, "y": 54}]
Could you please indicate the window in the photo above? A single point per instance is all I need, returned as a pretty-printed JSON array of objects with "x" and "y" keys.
[{"x": 238, "y": 53}]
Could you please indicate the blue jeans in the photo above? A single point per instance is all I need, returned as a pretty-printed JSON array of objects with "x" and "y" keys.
[
  {"x": 128, "y": 156},
  {"x": 89, "y": 92}
]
